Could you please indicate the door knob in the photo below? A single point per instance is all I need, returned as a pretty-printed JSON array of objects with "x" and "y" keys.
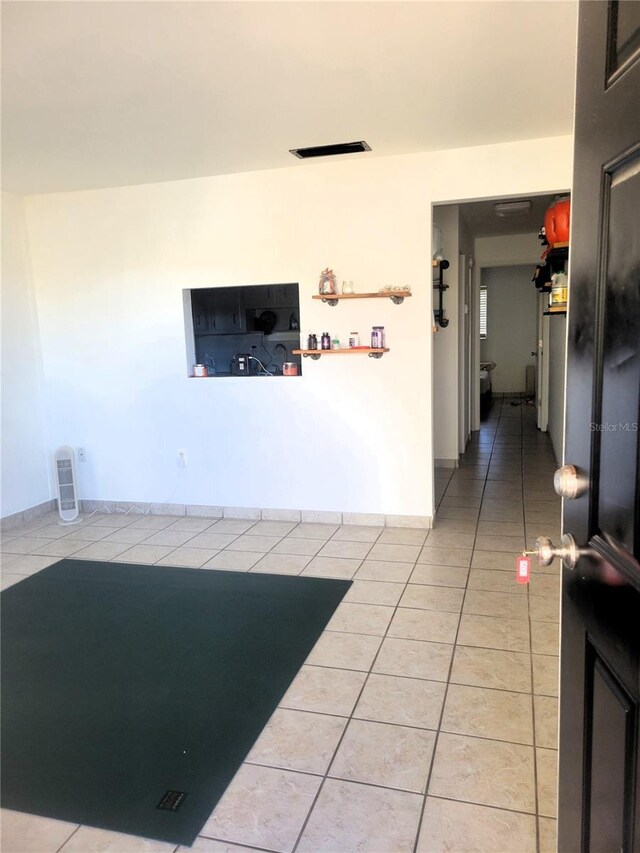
[
  {"x": 545, "y": 551},
  {"x": 569, "y": 483}
]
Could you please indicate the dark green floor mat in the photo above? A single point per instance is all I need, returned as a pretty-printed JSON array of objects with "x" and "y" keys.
[{"x": 121, "y": 683}]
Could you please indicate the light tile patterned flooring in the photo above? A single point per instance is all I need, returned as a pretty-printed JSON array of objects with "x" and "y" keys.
[{"x": 425, "y": 718}]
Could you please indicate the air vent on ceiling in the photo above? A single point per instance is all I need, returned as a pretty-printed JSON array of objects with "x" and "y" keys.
[
  {"x": 330, "y": 150},
  {"x": 512, "y": 208}
]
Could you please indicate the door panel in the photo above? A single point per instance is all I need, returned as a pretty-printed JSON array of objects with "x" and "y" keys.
[
  {"x": 599, "y": 766},
  {"x": 620, "y": 407},
  {"x": 623, "y": 38},
  {"x": 612, "y": 717}
]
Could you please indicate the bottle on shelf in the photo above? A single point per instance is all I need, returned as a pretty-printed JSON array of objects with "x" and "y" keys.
[
  {"x": 381, "y": 335},
  {"x": 312, "y": 341},
  {"x": 325, "y": 341},
  {"x": 335, "y": 343},
  {"x": 354, "y": 340}
]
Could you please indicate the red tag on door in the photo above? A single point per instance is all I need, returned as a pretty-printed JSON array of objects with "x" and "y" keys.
[{"x": 523, "y": 569}]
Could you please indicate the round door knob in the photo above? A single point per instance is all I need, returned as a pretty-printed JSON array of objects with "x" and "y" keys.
[
  {"x": 545, "y": 551},
  {"x": 568, "y": 551},
  {"x": 569, "y": 483}
]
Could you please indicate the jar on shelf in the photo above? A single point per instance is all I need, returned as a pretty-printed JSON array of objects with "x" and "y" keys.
[{"x": 381, "y": 336}]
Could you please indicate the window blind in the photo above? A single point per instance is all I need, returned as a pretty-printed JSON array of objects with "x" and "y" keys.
[{"x": 483, "y": 312}]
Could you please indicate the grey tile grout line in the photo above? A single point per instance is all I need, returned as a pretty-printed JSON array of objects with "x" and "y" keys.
[
  {"x": 68, "y": 839},
  {"x": 234, "y": 843},
  {"x": 387, "y": 787},
  {"x": 448, "y": 681},
  {"x": 533, "y": 708},
  {"x": 368, "y": 673},
  {"x": 349, "y": 719},
  {"x": 533, "y": 713},
  {"x": 393, "y": 725},
  {"x": 434, "y": 680}
]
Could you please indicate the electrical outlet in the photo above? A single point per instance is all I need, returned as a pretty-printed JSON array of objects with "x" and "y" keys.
[
  {"x": 182, "y": 458},
  {"x": 82, "y": 454}
]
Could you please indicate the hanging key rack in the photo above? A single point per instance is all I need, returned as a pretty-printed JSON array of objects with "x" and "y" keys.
[{"x": 440, "y": 286}]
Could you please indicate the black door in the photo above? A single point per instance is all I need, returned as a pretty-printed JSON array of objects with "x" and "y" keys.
[{"x": 599, "y": 785}]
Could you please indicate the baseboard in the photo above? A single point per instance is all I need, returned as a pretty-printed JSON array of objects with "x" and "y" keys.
[
  {"x": 29, "y": 514},
  {"x": 446, "y": 463},
  {"x": 368, "y": 519}
]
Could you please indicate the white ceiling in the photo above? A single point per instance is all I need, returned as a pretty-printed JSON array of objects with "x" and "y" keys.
[
  {"x": 481, "y": 220},
  {"x": 98, "y": 94}
]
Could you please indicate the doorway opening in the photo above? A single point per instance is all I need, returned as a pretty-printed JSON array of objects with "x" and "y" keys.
[{"x": 498, "y": 335}]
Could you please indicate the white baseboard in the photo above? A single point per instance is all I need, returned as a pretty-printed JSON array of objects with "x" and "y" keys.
[
  {"x": 446, "y": 463},
  {"x": 256, "y": 514},
  {"x": 29, "y": 514}
]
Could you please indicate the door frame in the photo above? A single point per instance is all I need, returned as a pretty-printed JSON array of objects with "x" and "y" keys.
[{"x": 542, "y": 389}]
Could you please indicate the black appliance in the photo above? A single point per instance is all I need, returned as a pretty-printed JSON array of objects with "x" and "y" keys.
[{"x": 243, "y": 364}]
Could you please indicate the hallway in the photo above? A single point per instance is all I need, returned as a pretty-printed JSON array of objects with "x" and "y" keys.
[{"x": 500, "y": 497}]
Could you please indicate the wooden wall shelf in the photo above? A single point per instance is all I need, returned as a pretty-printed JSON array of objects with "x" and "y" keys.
[
  {"x": 315, "y": 354},
  {"x": 555, "y": 309},
  {"x": 396, "y": 296}
]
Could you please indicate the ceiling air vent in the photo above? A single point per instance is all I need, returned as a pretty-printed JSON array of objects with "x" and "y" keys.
[
  {"x": 512, "y": 208},
  {"x": 330, "y": 150}
]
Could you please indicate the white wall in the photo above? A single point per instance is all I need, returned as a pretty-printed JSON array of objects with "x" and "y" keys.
[
  {"x": 511, "y": 250},
  {"x": 446, "y": 356},
  {"x": 466, "y": 320},
  {"x": 557, "y": 361},
  {"x": 25, "y": 471},
  {"x": 351, "y": 434},
  {"x": 512, "y": 318}
]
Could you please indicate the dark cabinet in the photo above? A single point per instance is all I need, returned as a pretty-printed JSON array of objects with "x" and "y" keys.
[
  {"x": 268, "y": 296},
  {"x": 227, "y": 310},
  {"x": 232, "y": 310},
  {"x": 217, "y": 311},
  {"x": 283, "y": 295},
  {"x": 254, "y": 297},
  {"x": 201, "y": 310}
]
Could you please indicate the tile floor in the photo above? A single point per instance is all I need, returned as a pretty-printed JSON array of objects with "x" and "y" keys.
[{"x": 425, "y": 718}]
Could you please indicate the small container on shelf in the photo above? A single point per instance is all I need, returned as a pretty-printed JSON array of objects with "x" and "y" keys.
[
  {"x": 354, "y": 340},
  {"x": 559, "y": 289},
  {"x": 325, "y": 341},
  {"x": 327, "y": 284},
  {"x": 382, "y": 337}
]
